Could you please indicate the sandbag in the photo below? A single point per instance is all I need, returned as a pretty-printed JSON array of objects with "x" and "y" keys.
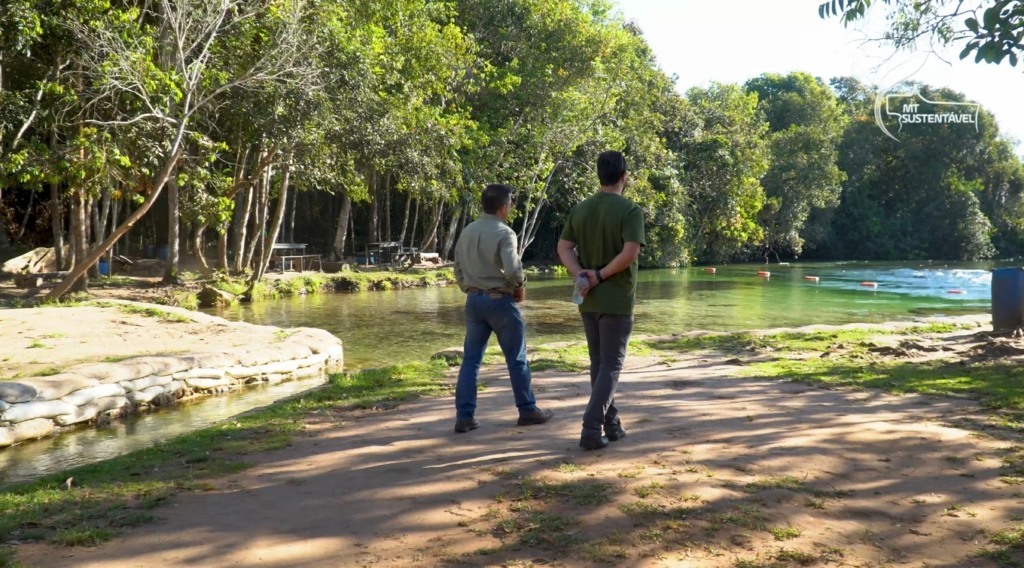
[
  {"x": 87, "y": 395},
  {"x": 146, "y": 382},
  {"x": 37, "y": 409},
  {"x": 33, "y": 429}
]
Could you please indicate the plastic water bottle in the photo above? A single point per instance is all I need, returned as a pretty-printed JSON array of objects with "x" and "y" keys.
[{"x": 579, "y": 286}]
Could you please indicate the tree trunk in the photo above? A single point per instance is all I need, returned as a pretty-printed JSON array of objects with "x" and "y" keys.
[
  {"x": 222, "y": 249},
  {"x": 80, "y": 241},
  {"x": 80, "y": 267},
  {"x": 261, "y": 202},
  {"x": 239, "y": 227},
  {"x": 374, "y": 230},
  {"x": 173, "y": 230},
  {"x": 24, "y": 222},
  {"x": 342, "y": 230},
  {"x": 268, "y": 242},
  {"x": 199, "y": 243},
  {"x": 387, "y": 206},
  {"x": 415, "y": 218},
  {"x": 57, "y": 226},
  {"x": 291, "y": 217},
  {"x": 449, "y": 238},
  {"x": 243, "y": 205},
  {"x": 352, "y": 231},
  {"x": 430, "y": 241},
  {"x": 57, "y": 218},
  {"x": 405, "y": 218},
  {"x": 100, "y": 219}
]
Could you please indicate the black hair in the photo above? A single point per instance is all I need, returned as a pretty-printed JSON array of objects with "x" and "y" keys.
[
  {"x": 495, "y": 196},
  {"x": 611, "y": 166}
]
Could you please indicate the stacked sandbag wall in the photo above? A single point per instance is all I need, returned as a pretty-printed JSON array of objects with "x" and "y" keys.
[{"x": 36, "y": 407}]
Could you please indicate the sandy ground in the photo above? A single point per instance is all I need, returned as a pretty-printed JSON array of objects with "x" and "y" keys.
[
  {"x": 873, "y": 480},
  {"x": 34, "y": 340}
]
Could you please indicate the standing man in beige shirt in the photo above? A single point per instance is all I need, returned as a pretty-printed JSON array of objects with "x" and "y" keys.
[{"x": 488, "y": 270}]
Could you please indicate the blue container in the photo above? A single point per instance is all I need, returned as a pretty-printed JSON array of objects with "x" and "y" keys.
[
  {"x": 149, "y": 251},
  {"x": 1007, "y": 298},
  {"x": 163, "y": 252},
  {"x": 104, "y": 267}
]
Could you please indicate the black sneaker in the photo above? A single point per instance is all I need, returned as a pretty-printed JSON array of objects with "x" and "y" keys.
[
  {"x": 536, "y": 417},
  {"x": 593, "y": 442},
  {"x": 462, "y": 426},
  {"x": 614, "y": 432}
]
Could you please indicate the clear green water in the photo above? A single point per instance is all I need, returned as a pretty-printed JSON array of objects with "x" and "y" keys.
[{"x": 383, "y": 328}]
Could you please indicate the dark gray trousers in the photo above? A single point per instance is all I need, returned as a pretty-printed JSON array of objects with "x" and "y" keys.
[{"x": 607, "y": 339}]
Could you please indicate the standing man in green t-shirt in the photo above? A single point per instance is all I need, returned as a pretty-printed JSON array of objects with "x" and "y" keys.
[{"x": 601, "y": 240}]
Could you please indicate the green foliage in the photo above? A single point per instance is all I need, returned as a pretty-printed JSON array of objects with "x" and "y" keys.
[
  {"x": 423, "y": 102},
  {"x": 993, "y": 37},
  {"x": 805, "y": 126}
]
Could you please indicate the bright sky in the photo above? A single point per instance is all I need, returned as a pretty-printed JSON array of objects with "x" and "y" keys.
[{"x": 702, "y": 41}]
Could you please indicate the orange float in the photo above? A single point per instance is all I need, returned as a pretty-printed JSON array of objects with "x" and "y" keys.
[
  {"x": 955, "y": 291},
  {"x": 812, "y": 278},
  {"x": 764, "y": 273},
  {"x": 710, "y": 270},
  {"x": 869, "y": 284}
]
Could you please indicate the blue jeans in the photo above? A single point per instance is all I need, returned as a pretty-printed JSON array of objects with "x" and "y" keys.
[{"x": 486, "y": 313}]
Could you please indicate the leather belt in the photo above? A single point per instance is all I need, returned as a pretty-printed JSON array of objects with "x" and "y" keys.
[{"x": 493, "y": 293}]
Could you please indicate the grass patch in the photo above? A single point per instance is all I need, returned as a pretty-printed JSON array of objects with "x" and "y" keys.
[
  {"x": 108, "y": 496},
  {"x": 585, "y": 493},
  {"x": 785, "y": 533},
  {"x": 1010, "y": 543},
  {"x": 787, "y": 482},
  {"x": 792, "y": 342},
  {"x": 570, "y": 359},
  {"x": 7, "y": 558},
  {"x": 185, "y": 299},
  {"x": 746, "y": 516},
  {"x": 994, "y": 383},
  {"x": 148, "y": 311},
  {"x": 568, "y": 467}
]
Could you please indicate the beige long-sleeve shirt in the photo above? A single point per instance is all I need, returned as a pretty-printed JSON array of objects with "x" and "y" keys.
[{"x": 487, "y": 256}]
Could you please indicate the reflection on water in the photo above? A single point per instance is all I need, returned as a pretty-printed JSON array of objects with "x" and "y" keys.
[{"x": 384, "y": 328}]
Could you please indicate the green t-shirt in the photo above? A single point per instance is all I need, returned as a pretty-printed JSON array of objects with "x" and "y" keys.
[{"x": 600, "y": 225}]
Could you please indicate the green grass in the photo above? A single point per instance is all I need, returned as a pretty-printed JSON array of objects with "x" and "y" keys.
[
  {"x": 114, "y": 494},
  {"x": 994, "y": 383},
  {"x": 785, "y": 533},
  {"x": 854, "y": 339},
  {"x": 1009, "y": 549},
  {"x": 7, "y": 558},
  {"x": 151, "y": 312}
]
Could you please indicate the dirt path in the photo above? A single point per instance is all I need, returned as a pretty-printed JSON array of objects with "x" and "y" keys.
[{"x": 715, "y": 472}]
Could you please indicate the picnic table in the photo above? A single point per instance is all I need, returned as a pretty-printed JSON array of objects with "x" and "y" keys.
[
  {"x": 284, "y": 255},
  {"x": 389, "y": 253}
]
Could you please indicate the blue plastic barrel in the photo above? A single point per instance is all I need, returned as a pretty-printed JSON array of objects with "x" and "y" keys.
[
  {"x": 1007, "y": 298},
  {"x": 163, "y": 252},
  {"x": 104, "y": 267}
]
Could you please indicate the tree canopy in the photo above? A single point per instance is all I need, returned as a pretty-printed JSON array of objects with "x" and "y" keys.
[{"x": 221, "y": 127}]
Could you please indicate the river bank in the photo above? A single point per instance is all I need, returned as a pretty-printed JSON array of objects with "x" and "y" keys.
[
  {"x": 152, "y": 289},
  {"x": 65, "y": 367},
  {"x": 734, "y": 458}
]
